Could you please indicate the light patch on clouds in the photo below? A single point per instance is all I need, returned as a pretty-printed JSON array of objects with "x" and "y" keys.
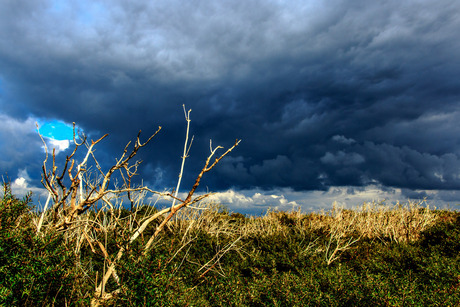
[
  {"x": 18, "y": 141},
  {"x": 23, "y": 178},
  {"x": 13, "y": 127},
  {"x": 342, "y": 139},
  {"x": 342, "y": 158},
  {"x": 257, "y": 201},
  {"x": 59, "y": 146},
  {"x": 21, "y": 186}
]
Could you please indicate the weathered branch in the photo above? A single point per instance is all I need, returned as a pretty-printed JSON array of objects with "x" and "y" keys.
[
  {"x": 188, "y": 200},
  {"x": 185, "y": 153},
  {"x": 79, "y": 202},
  {"x": 171, "y": 211}
]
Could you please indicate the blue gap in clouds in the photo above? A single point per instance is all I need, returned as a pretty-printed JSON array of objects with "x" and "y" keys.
[{"x": 57, "y": 130}]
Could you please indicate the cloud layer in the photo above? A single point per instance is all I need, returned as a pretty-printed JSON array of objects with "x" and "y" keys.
[{"x": 323, "y": 94}]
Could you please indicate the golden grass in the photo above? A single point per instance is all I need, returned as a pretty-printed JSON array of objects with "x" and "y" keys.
[
  {"x": 338, "y": 228},
  {"x": 395, "y": 223},
  {"x": 398, "y": 222},
  {"x": 342, "y": 227}
]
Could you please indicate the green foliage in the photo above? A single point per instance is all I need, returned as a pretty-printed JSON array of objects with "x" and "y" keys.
[
  {"x": 445, "y": 235},
  {"x": 151, "y": 280},
  {"x": 13, "y": 212},
  {"x": 279, "y": 266},
  {"x": 32, "y": 269}
]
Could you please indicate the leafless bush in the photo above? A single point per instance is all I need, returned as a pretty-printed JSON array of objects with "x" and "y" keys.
[
  {"x": 76, "y": 188},
  {"x": 82, "y": 193}
]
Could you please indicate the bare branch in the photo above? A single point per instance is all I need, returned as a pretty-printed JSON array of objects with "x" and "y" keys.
[
  {"x": 171, "y": 211},
  {"x": 184, "y": 155},
  {"x": 188, "y": 200}
]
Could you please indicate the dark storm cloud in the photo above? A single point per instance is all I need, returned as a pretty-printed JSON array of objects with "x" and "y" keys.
[{"x": 322, "y": 93}]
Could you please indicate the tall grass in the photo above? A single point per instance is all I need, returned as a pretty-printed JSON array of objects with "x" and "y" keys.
[{"x": 382, "y": 254}]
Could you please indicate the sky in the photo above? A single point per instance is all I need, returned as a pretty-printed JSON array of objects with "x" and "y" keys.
[{"x": 345, "y": 101}]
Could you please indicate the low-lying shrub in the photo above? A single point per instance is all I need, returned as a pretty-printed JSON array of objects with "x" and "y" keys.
[{"x": 374, "y": 255}]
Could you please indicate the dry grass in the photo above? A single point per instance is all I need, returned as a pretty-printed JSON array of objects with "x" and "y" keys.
[
  {"x": 339, "y": 229},
  {"x": 398, "y": 223},
  {"x": 343, "y": 227}
]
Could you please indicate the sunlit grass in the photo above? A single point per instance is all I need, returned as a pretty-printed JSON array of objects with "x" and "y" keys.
[{"x": 379, "y": 254}]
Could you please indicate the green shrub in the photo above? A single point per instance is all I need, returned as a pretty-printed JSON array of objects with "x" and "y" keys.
[
  {"x": 33, "y": 269},
  {"x": 278, "y": 261},
  {"x": 445, "y": 235}
]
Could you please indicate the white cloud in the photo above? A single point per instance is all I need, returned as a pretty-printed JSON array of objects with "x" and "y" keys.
[
  {"x": 59, "y": 146},
  {"x": 253, "y": 200},
  {"x": 21, "y": 186},
  {"x": 257, "y": 201},
  {"x": 20, "y": 183}
]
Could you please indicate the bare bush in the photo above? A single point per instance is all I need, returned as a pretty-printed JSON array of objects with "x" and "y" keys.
[
  {"x": 76, "y": 188},
  {"x": 82, "y": 193}
]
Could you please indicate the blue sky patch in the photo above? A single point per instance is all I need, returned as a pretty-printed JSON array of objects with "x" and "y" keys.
[{"x": 57, "y": 130}]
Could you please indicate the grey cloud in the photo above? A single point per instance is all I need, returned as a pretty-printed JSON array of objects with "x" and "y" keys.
[
  {"x": 342, "y": 158},
  {"x": 405, "y": 167},
  {"x": 275, "y": 171},
  {"x": 351, "y": 93},
  {"x": 414, "y": 194},
  {"x": 451, "y": 197},
  {"x": 343, "y": 139},
  {"x": 234, "y": 170},
  {"x": 20, "y": 144}
]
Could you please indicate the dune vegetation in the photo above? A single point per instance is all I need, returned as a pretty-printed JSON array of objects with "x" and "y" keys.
[{"x": 384, "y": 255}]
